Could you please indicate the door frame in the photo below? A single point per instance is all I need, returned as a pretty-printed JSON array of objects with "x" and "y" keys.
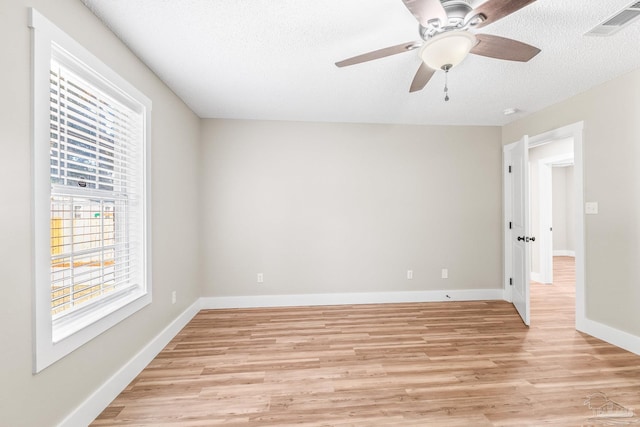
[{"x": 570, "y": 131}]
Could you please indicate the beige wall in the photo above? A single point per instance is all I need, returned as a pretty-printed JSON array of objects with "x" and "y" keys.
[
  {"x": 46, "y": 398},
  {"x": 611, "y": 146},
  {"x": 330, "y": 208}
]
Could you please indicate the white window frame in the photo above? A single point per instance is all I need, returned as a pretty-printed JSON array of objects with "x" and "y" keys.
[{"x": 49, "y": 347}]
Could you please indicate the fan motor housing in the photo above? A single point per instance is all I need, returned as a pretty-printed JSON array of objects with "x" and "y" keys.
[{"x": 456, "y": 11}]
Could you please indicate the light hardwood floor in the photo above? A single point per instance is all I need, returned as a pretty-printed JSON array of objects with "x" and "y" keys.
[{"x": 428, "y": 364}]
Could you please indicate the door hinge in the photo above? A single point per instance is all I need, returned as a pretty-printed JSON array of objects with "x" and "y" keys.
[
  {"x": 511, "y": 281},
  {"x": 510, "y": 225},
  {"x": 509, "y": 168}
]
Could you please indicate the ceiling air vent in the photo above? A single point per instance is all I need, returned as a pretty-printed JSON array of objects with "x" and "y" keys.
[{"x": 615, "y": 23}]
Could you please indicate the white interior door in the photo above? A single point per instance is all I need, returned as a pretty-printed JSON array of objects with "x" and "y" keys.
[{"x": 519, "y": 237}]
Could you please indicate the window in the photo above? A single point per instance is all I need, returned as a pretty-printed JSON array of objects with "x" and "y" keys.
[{"x": 91, "y": 227}]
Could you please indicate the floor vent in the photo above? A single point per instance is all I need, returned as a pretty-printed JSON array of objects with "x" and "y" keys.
[{"x": 615, "y": 23}]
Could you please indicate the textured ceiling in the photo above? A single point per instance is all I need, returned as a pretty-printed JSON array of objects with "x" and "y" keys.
[{"x": 274, "y": 59}]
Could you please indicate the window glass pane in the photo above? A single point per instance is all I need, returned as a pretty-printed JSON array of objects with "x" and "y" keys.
[
  {"x": 94, "y": 164},
  {"x": 89, "y": 251}
]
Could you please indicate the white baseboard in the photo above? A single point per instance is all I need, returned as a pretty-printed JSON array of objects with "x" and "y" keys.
[
  {"x": 537, "y": 277},
  {"x": 564, "y": 252},
  {"x": 609, "y": 334},
  {"x": 350, "y": 298},
  {"x": 92, "y": 406}
]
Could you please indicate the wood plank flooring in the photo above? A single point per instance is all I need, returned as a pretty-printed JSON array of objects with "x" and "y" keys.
[{"x": 428, "y": 364}]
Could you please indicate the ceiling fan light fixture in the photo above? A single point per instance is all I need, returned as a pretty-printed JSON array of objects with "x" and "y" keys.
[{"x": 448, "y": 49}]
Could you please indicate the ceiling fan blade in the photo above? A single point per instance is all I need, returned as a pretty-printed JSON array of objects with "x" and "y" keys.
[
  {"x": 380, "y": 53},
  {"x": 422, "y": 77},
  {"x": 497, "y": 9},
  {"x": 427, "y": 10},
  {"x": 503, "y": 48}
]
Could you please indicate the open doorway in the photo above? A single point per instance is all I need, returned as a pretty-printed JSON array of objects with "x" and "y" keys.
[
  {"x": 552, "y": 205},
  {"x": 518, "y": 254}
]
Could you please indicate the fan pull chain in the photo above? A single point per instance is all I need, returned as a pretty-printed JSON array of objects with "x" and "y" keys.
[
  {"x": 446, "y": 89},
  {"x": 446, "y": 69}
]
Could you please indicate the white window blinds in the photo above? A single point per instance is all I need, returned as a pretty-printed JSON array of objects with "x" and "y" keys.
[
  {"x": 93, "y": 135},
  {"x": 96, "y": 166}
]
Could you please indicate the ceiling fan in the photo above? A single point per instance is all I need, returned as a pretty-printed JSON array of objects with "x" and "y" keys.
[{"x": 446, "y": 39}]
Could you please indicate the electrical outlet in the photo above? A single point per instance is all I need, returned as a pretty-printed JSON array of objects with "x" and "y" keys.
[
  {"x": 445, "y": 273},
  {"x": 260, "y": 278},
  {"x": 409, "y": 274},
  {"x": 174, "y": 297},
  {"x": 591, "y": 208}
]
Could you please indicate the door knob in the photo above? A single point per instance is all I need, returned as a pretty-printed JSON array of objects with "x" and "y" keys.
[
  {"x": 533, "y": 239},
  {"x": 521, "y": 238}
]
